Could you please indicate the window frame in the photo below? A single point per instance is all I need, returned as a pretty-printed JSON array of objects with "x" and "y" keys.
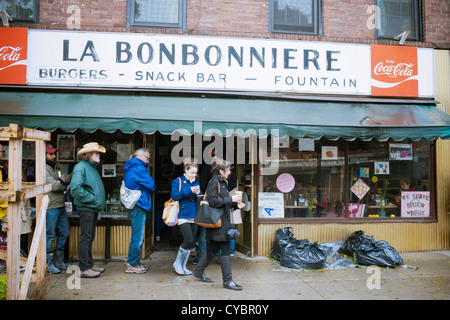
[
  {"x": 417, "y": 17},
  {"x": 317, "y": 20},
  {"x": 352, "y": 220},
  {"x": 35, "y": 19},
  {"x": 131, "y": 23}
]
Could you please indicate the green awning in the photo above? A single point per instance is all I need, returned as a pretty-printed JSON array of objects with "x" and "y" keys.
[{"x": 150, "y": 113}]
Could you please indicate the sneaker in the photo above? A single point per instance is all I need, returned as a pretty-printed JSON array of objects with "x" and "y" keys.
[
  {"x": 89, "y": 273},
  {"x": 143, "y": 266},
  {"x": 138, "y": 269},
  {"x": 98, "y": 269}
]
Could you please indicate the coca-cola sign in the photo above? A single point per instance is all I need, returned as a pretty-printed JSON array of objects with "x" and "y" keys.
[
  {"x": 13, "y": 55},
  {"x": 394, "y": 71}
]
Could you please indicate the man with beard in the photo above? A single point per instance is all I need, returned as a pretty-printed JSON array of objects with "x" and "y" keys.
[{"x": 56, "y": 218}]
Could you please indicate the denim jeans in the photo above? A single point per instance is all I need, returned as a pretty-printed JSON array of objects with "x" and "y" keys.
[
  {"x": 57, "y": 226},
  {"x": 201, "y": 236},
  {"x": 137, "y": 215},
  {"x": 88, "y": 223}
]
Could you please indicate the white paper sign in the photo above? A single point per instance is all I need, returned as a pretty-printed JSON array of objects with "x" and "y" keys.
[{"x": 270, "y": 205}]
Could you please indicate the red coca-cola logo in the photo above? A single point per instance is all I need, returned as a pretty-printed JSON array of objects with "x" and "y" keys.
[
  {"x": 394, "y": 71},
  {"x": 8, "y": 53},
  {"x": 13, "y": 55},
  {"x": 400, "y": 69}
]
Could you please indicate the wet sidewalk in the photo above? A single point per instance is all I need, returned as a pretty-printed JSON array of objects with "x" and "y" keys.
[{"x": 427, "y": 277}]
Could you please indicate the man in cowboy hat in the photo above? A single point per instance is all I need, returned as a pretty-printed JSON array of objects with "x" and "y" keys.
[
  {"x": 89, "y": 197},
  {"x": 56, "y": 218}
]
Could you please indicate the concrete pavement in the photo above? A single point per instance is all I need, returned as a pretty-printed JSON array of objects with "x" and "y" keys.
[{"x": 427, "y": 277}]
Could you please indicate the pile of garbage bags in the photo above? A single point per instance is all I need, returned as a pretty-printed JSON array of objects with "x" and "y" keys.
[{"x": 302, "y": 254}]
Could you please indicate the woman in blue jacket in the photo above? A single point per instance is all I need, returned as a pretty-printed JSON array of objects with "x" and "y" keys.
[{"x": 187, "y": 199}]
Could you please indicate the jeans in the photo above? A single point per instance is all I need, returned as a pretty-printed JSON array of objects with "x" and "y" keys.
[
  {"x": 137, "y": 215},
  {"x": 88, "y": 223},
  {"x": 201, "y": 242},
  {"x": 57, "y": 226}
]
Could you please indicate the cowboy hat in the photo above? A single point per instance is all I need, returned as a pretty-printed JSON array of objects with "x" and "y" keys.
[{"x": 92, "y": 147}]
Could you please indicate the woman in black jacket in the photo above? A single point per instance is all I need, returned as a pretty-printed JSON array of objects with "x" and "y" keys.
[{"x": 217, "y": 239}]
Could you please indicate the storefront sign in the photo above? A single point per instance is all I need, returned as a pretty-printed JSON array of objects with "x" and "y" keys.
[
  {"x": 13, "y": 55},
  {"x": 415, "y": 204},
  {"x": 394, "y": 71},
  {"x": 187, "y": 62},
  {"x": 270, "y": 205},
  {"x": 61, "y": 58}
]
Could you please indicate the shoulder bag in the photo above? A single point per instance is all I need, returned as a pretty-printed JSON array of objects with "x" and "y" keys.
[
  {"x": 207, "y": 216},
  {"x": 129, "y": 197},
  {"x": 170, "y": 212}
]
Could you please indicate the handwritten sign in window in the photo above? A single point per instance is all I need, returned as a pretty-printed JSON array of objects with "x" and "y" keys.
[{"x": 415, "y": 204}]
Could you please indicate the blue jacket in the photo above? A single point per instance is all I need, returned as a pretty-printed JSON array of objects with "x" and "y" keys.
[
  {"x": 186, "y": 198},
  {"x": 136, "y": 177}
]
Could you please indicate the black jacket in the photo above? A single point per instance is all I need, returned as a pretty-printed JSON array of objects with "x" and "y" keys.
[
  {"x": 205, "y": 176},
  {"x": 222, "y": 201}
]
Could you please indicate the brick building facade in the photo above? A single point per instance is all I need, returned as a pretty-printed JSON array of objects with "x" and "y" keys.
[
  {"x": 96, "y": 70},
  {"x": 343, "y": 21}
]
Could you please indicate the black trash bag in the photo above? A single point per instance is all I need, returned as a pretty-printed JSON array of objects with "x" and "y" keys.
[
  {"x": 302, "y": 254},
  {"x": 378, "y": 253},
  {"x": 354, "y": 241},
  {"x": 298, "y": 254},
  {"x": 283, "y": 237}
]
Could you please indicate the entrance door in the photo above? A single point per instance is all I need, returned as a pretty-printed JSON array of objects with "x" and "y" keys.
[{"x": 167, "y": 238}]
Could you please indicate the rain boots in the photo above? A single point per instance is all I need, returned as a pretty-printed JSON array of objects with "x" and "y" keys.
[
  {"x": 180, "y": 262},
  {"x": 58, "y": 260},
  {"x": 51, "y": 268}
]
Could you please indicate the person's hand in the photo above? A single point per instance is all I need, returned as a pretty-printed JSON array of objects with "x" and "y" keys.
[
  {"x": 195, "y": 190},
  {"x": 241, "y": 205}
]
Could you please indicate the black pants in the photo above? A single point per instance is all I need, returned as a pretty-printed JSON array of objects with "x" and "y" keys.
[
  {"x": 88, "y": 223},
  {"x": 212, "y": 248},
  {"x": 188, "y": 231}
]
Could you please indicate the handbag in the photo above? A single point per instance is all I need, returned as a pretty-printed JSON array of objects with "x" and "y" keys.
[
  {"x": 207, "y": 216},
  {"x": 170, "y": 212},
  {"x": 129, "y": 197}
]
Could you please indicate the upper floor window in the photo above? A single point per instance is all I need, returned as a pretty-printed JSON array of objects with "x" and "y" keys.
[
  {"x": 295, "y": 16},
  {"x": 157, "y": 13},
  {"x": 21, "y": 10},
  {"x": 398, "y": 16}
]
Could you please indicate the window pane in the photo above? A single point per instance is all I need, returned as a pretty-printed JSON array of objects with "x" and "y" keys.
[
  {"x": 372, "y": 164},
  {"x": 18, "y": 9},
  {"x": 294, "y": 16},
  {"x": 316, "y": 171},
  {"x": 156, "y": 11},
  {"x": 397, "y": 16}
]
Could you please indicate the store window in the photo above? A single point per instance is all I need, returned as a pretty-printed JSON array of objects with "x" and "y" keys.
[
  {"x": 398, "y": 16},
  {"x": 295, "y": 16},
  {"x": 21, "y": 10},
  {"x": 309, "y": 182},
  {"x": 157, "y": 13},
  {"x": 322, "y": 179},
  {"x": 389, "y": 179}
]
